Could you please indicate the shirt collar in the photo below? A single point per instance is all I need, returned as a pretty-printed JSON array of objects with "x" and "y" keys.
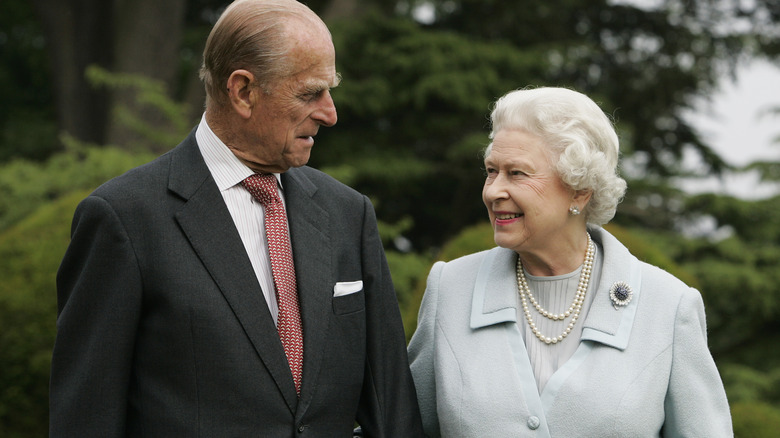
[{"x": 224, "y": 166}]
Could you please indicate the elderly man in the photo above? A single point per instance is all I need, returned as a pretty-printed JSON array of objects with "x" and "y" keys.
[{"x": 225, "y": 289}]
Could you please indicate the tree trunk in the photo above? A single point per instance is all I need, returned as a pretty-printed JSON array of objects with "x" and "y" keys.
[
  {"x": 77, "y": 34},
  {"x": 122, "y": 36},
  {"x": 147, "y": 39}
]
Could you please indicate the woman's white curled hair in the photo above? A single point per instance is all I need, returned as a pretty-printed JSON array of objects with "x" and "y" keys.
[{"x": 580, "y": 136}]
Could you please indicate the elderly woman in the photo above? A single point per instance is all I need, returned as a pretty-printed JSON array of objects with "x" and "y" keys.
[{"x": 560, "y": 331}]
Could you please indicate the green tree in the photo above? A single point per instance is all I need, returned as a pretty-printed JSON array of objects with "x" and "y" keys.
[
  {"x": 415, "y": 98},
  {"x": 412, "y": 110},
  {"x": 645, "y": 63},
  {"x": 27, "y": 116}
]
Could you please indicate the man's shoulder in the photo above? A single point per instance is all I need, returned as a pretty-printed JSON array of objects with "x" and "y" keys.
[
  {"x": 135, "y": 179},
  {"x": 322, "y": 181},
  {"x": 152, "y": 175}
]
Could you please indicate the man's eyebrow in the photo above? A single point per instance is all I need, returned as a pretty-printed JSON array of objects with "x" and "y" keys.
[
  {"x": 336, "y": 81},
  {"x": 314, "y": 87}
]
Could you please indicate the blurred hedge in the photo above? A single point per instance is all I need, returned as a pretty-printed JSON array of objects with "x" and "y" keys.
[
  {"x": 30, "y": 252},
  {"x": 26, "y": 185}
]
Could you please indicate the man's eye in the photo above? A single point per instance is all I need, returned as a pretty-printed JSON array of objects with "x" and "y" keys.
[{"x": 312, "y": 95}]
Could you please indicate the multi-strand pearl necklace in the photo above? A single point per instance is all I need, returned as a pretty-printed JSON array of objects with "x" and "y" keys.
[{"x": 573, "y": 310}]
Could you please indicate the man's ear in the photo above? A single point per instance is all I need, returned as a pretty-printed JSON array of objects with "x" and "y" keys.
[{"x": 242, "y": 92}]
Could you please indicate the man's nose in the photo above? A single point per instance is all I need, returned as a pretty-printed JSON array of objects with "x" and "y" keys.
[{"x": 326, "y": 114}]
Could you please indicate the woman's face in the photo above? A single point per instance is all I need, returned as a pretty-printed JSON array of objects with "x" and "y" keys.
[{"x": 527, "y": 202}]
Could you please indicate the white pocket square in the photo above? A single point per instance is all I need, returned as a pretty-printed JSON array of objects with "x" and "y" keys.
[{"x": 347, "y": 287}]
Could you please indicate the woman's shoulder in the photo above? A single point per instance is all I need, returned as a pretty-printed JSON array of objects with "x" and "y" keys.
[
  {"x": 661, "y": 287},
  {"x": 661, "y": 277},
  {"x": 471, "y": 263},
  {"x": 652, "y": 277},
  {"x": 458, "y": 276}
]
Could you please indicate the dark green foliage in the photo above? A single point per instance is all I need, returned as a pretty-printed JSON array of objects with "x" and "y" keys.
[
  {"x": 26, "y": 185},
  {"x": 768, "y": 170},
  {"x": 27, "y": 113},
  {"x": 30, "y": 253},
  {"x": 755, "y": 420},
  {"x": 746, "y": 385},
  {"x": 153, "y": 121},
  {"x": 409, "y": 272},
  {"x": 413, "y": 109},
  {"x": 646, "y": 248},
  {"x": 470, "y": 240},
  {"x": 618, "y": 54},
  {"x": 755, "y": 221},
  {"x": 37, "y": 201}
]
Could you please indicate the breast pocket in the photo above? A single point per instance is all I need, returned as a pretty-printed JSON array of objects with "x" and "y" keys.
[{"x": 350, "y": 303}]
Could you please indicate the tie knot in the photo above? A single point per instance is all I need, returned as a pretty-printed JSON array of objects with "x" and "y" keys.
[{"x": 263, "y": 188}]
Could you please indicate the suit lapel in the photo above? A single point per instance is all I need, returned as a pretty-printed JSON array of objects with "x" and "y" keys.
[
  {"x": 309, "y": 235},
  {"x": 206, "y": 222}
]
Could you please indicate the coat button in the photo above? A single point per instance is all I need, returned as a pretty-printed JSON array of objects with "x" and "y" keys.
[
  {"x": 533, "y": 422},
  {"x": 301, "y": 428}
]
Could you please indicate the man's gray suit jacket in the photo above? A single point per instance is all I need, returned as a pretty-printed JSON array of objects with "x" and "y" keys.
[{"x": 163, "y": 330}]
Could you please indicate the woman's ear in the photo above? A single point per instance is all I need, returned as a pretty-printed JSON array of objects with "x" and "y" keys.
[
  {"x": 581, "y": 198},
  {"x": 242, "y": 92}
]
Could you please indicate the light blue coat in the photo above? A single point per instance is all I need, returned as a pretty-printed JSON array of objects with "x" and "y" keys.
[{"x": 643, "y": 370}]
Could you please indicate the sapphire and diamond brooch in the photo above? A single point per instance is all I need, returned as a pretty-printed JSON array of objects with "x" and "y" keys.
[{"x": 620, "y": 294}]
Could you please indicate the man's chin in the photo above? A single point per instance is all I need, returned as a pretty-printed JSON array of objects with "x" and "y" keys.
[{"x": 298, "y": 160}]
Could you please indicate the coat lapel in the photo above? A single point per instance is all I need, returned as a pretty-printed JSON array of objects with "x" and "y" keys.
[
  {"x": 494, "y": 301},
  {"x": 206, "y": 222},
  {"x": 604, "y": 323},
  {"x": 310, "y": 238},
  {"x": 494, "y": 298}
]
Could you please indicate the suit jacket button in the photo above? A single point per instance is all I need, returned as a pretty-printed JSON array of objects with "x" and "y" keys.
[
  {"x": 301, "y": 428},
  {"x": 533, "y": 422}
]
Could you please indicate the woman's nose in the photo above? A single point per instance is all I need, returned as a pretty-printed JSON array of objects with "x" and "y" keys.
[{"x": 495, "y": 189}]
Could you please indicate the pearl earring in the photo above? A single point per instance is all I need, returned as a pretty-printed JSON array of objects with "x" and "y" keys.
[{"x": 573, "y": 210}]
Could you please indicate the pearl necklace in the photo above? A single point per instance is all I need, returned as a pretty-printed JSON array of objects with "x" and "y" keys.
[{"x": 573, "y": 310}]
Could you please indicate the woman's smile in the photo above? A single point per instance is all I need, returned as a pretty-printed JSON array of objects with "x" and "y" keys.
[{"x": 506, "y": 218}]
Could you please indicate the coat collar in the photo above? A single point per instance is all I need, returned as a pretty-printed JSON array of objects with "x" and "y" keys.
[{"x": 494, "y": 299}]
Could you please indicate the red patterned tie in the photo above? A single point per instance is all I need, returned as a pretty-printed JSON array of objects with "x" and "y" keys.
[{"x": 263, "y": 188}]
